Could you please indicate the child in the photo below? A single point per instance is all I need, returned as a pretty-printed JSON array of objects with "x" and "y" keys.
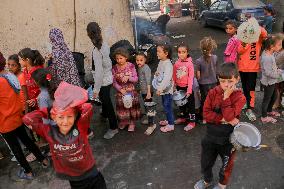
[
  {"x": 124, "y": 78},
  {"x": 183, "y": 77},
  {"x": 231, "y": 51},
  {"x": 248, "y": 64},
  {"x": 268, "y": 19},
  {"x": 221, "y": 111},
  {"x": 31, "y": 60},
  {"x": 11, "y": 125},
  {"x": 15, "y": 67},
  {"x": 206, "y": 67},
  {"x": 70, "y": 150},
  {"x": 165, "y": 89},
  {"x": 144, "y": 75},
  {"x": 270, "y": 76},
  {"x": 43, "y": 79},
  {"x": 279, "y": 58}
]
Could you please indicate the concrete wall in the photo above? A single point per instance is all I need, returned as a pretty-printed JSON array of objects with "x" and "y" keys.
[{"x": 27, "y": 23}]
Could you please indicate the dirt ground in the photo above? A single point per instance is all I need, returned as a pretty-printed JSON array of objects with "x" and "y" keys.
[{"x": 171, "y": 160}]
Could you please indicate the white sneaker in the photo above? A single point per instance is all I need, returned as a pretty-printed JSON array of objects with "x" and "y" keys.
[{"x": 110, "y": 133}]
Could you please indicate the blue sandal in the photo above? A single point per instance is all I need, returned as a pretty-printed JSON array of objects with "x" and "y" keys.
[{"x": 22, "y": 175}]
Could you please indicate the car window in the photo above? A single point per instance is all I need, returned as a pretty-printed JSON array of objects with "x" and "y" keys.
[
  {"x": 242, "y": 4},
  {"x": 223, "y": 5},
  {"x": 215, "y": 5}
]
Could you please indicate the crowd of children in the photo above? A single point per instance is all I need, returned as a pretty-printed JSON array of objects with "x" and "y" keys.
[{"x": 55, "y": 106}]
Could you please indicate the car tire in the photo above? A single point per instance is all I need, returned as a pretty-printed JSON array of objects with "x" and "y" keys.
[{"x": 203, "y": 22}]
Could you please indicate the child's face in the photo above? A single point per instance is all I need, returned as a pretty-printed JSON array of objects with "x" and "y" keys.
[
  {"x": 140, "y": 61},
  {"x": 228, "y": 83},
  {"x": 182, "y": 53},
  {"x": 277, "y": 47},
  {"x": 13, "y": 66},
  {"x": 121, "y": 60},
  {"x": 161, "y": 54},
  {"x": 231, "y": 30},
  {"x": 65, "y": 122}
]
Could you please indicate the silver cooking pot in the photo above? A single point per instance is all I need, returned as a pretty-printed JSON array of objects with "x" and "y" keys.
[
  {"x": 179, "y": 98},
  {"x": 245, "y": 136}
]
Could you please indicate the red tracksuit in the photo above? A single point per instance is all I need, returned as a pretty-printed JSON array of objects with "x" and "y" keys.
[
  {"x": 216, "y": 142},
  {"x": 71, "y": 154}
]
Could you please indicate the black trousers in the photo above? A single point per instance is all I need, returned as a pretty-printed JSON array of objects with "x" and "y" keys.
[
  {"x": 96, "y": 182},
  {"x": 209, "y": 154},
  {"x": 204, "y": 89},
  {"x": 107, "y": 107},
  {"x": 188, "y": 109},
  {"x": 11, "y": 139},
  {"x": 150, "y": 118},
  {"x": 248, "y": 80},
  {"x": 269, "y": 98}
]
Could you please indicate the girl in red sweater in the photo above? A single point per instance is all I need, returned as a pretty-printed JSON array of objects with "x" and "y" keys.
[{"x": 183, "y": 75}]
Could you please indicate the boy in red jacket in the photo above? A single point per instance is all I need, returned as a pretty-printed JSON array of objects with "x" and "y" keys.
[
  {"x": 69, "y": 146},
  {"x": 222, "y": 108}
]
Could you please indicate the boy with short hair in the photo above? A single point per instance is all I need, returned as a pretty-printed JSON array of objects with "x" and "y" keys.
[
  {"x": 68, "y": 140},
  {"x": 222, "y": 108}
]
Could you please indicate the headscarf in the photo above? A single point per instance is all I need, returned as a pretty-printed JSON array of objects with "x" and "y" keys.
[
  {"x": 66, "y": 98},
  {"x": 13, "y": 81},
  {"x": 63, "y": 67}
]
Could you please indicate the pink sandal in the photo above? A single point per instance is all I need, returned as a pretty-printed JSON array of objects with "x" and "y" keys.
[
  {"x": 163, "y": 122},
  {"x": 268, "y": 120},
  {"x": 131, "y": 128},
  {"x": 167, "y": 128},
  {"x": 273, "y": 113},
  {"x": 189, "y": 126}
]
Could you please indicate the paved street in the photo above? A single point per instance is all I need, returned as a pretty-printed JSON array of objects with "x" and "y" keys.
[{"x": 171, "y": 160}]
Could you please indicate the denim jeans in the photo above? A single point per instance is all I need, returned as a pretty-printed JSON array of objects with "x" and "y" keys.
[{"x": 167, "y": 100}]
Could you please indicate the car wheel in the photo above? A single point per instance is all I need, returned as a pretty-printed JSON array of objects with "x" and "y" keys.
[{"x": 203, "y": 22}]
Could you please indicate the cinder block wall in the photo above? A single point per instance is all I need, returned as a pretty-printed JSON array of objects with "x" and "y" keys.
[{"x": 27, "y": 23}]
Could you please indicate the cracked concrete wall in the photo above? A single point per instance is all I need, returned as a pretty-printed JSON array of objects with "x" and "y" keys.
[{"x": 27, "y": 23}]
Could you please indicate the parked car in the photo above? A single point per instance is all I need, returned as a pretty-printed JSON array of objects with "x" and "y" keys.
[{"x": 222, "y": 10}]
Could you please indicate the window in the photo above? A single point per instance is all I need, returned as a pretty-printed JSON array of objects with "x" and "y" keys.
[
  {"x": 223, "y": 5},
  {"x": 214, "y": 5}
]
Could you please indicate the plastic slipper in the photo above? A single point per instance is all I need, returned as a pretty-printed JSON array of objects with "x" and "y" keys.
[
  {"x": 274, "y": 113},
  {"x": 150, "y": 129},
  {"x": 189, "y": 127},
  {"x": 30, "y": 157},
  {"x": 167, "y": 128},
  {"x": 22, "y": 175},
  {"x": 131, "y": 128},
  {"x": 250, "y": 115},
  {"x": 163, "y": 122}
]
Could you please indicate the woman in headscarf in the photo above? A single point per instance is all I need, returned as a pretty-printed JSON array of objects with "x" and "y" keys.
[{"x": 63, "y": 67}]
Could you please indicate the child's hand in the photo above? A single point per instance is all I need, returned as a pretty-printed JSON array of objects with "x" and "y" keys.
[
  {"x": 125, "y": 79},
  {"x": 31, "y": 102},
  {"x": 95, "y": 95},
  {"x": 234, "y": 122},
  {"x": 148, "y": 96},
  {"x": 228, "y": 92},
  {"x": 188, "y": 95},
  {"x": 159, "y": 92},
  {"x": 123, "y": 91}
]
